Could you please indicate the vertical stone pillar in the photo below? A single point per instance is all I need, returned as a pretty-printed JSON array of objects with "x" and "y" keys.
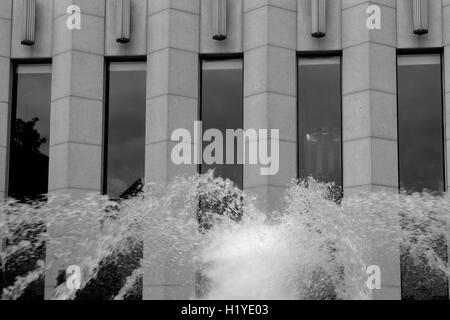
[
  {"x": 270, "y": 42},
  {"x": 369, "y": 116},
  {"x": 76, "y": 112},
  {"x": 5, "y": 74},
  {"x": 172, "y": 103},
  {"x": 446, "y": 64},
  {"x": 5, "y": 53}
]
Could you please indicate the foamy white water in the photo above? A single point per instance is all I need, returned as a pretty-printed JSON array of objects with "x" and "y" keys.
[{"x": 312, "y": 248}]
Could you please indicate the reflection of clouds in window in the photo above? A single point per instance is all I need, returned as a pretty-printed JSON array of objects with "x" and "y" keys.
[
  {"x": 222, "y": 108},
  {"x": 319, "y": 117},
  {"x": 126, "y": 126}
]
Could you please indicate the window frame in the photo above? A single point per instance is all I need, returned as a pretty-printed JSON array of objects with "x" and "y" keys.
[
  {"x": 423, "y": 52},
  {"x": 12, "y": 107},
  {"x": 212, "y": 58},
  {"x": 105, "y": 119},
  {"x": 320, "y": 55}
]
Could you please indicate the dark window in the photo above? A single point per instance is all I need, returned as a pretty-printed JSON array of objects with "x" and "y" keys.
[
  {"x": 222, "y": 109},
  {"x": 30, "y": 132},
  {"x": 421, "y": 158},
  {"x": 125, "y": 123},
  {"x": 320, "y": 120},
  {"x": 420, "y": 123}
]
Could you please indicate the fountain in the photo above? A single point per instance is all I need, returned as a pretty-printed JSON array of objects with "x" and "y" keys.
[{"x": 314, "y": 248}]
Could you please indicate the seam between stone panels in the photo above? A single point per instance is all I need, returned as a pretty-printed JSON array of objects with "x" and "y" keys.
[
  {"x": 79, "y": 51},
  {"x": 270, "y": 92},
  {"x": 77, "y": 97},
  {"x": 76, "y": 142},
  {"x": 269, "y": 5},
  {"x": 368, "y": 2},
  {"x": 369, "y": 89},
  {"x": 82, "y": 13},
  {"x": 152, "y": 143},
  {"x": 269, "y": 45},
  {"x": 369, "y": 42},
  {"x": 7, "y": 19},
  {"x": 173, "y": 9},
  {"x": 174, "y": 48},
  {"x": 170, "y": 94},
  {"x": 368, "y": 138}
]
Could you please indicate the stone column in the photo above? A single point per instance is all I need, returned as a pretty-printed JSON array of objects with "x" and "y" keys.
[
  {"x": 172, "y": 103},
  {"x": 369, "y": 116},
  {"x": 446, "y": 64},
  {"x": 5, "y": 53},
  {"x": 76, "y": 113},
  {"x": 5, "y": 80},
  {"x": 270, "y": 42}
]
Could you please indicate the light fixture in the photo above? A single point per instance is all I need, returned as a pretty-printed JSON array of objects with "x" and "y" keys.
[
  {"x": 28, "y": 22},
  {"x": 123, "y": 22},
  {"x": 219, "y": 16},
  {"x": 420, "y": 16},
  {"x": 318, "y": 18}
]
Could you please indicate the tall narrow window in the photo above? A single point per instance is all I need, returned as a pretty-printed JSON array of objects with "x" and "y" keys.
[
  {"x": 125, "y": 129},
  {"x": 222, "y": 109},
  {"x": 421, "y": 157},
  {"x": 30, "y": 132},
  {"x": 320, "y": 120},
  {"x": 420, "y": 123}
]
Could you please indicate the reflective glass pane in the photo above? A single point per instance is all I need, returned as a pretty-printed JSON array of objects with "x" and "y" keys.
[
  {"x": 420, "y": 120},
  {"x": 421, "y": 160},
  {"x": 222, "y": 108},
  {"x": 320, "y": 120},
  {"x": 125, "y": 160},
  {"x": 30, "y": 132}
]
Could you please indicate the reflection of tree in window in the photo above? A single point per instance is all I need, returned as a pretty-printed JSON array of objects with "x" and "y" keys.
[
  {"x": 30, "y": 131},
  {"x": 125, "y": 149},
  {"x": 29, "y": 165},
  {"x": 28, "y": 171}
]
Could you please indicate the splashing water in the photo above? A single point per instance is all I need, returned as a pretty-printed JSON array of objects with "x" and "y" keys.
[{"x": 205, "y": 228}]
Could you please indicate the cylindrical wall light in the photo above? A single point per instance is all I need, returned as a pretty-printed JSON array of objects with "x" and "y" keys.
[
  {"x": 123, "y": 20},
  {"x": 420, "y": 16},
  {"x": 219, "y": 17},
  {"x": 28, "y": 22},
  {"x": 318, "y": 18}
]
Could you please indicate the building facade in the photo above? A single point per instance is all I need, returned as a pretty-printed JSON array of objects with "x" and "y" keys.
[{"x": 361, "y": 55}]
